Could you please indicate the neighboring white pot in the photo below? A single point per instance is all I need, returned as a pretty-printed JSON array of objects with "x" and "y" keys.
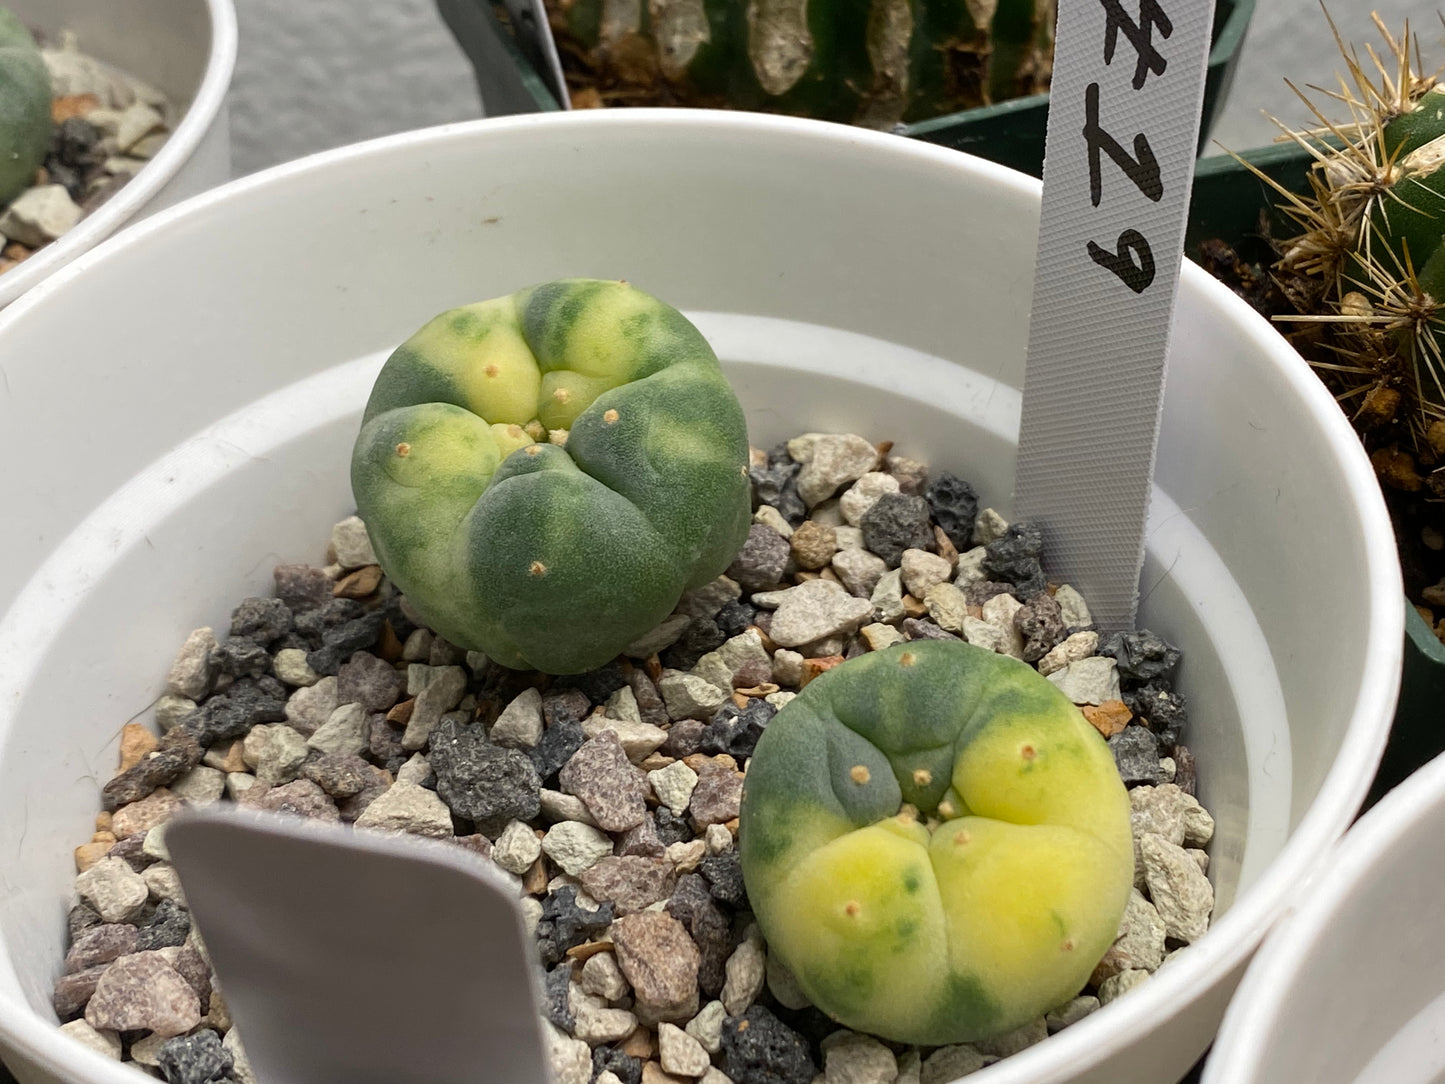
[
  {"x": 1350, "y": 987},
  {"x": 850, "y": 280},
  {"x": 186, "y": 48}
]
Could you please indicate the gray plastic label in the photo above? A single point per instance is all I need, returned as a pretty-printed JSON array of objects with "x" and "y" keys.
[{"x": 1124, "y": 109}]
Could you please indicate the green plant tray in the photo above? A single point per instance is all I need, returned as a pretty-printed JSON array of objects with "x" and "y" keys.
[
  {"x": 1232, "y": 204},
  {"x": 1010, "y": 133}
]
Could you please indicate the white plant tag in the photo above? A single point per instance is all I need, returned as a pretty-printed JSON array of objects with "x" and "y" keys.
[
  {"x": 353, "y": 957},
  {"x": 1124, "y": 108}
]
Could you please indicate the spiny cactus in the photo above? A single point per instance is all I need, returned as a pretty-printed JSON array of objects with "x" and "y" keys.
[
  {"x": 871, "y": 62},
  {"x": 545, "y": 473},
  {"x": 1367, "y": 272},
  {"x": 936, "y": 843},
  {"x": 24, "y": 107}
]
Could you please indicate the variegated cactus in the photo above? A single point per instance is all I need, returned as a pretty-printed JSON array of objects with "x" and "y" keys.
[
  {"x": 936, "y": 843},
  {"x": 24, "y": 107}
]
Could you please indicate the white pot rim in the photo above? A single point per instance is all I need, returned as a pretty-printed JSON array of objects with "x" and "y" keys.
[
  {"x": 1263, "y": 996},
  {"x": 209, "y": 100},
  {"x": 1229, "y": 943}
]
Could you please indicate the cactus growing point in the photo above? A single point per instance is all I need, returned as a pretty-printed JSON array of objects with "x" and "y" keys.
[
  {"x": 936, "y": 843},
  {"x": 544, "y": 474},
  {"x": 24, "y": 107}
]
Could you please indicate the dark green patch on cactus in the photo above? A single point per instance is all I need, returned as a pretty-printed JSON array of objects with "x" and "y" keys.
[
  {"x": 553, "y": 555},
  {"x": 936, "y": 843},
  {"x": 24, "y": 107}
]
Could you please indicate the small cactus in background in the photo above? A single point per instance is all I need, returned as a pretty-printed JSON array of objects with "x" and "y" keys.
[
  {"x": 1366, "y": 273},
  {"x": 24, "y": 107},
  {"x": 545, "y": 473},
  {"x": 869, "y": 62},
  {"x": 936, "y": 843}
]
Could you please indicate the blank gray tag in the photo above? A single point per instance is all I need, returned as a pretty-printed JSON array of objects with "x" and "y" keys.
[
  {"x": 356, "y": 958},
  {"x": 1124, "y": 109}
]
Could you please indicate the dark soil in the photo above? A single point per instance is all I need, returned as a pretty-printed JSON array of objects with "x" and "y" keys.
[{"x": 1411, "y": 474}]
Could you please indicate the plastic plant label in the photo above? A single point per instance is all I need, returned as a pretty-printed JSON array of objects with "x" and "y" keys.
[
  {"x": 351, "y": 957},
  {"x": 1124, "y": 109}
]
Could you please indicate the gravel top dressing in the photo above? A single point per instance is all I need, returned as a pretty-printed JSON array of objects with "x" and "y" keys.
[{"x": 612, "y": 798}]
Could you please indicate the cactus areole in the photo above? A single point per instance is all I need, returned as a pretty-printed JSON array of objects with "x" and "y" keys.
[
  {"x": 936, "y": 843},
  {"x": 24, "y": 107},
  {"x": 545, "y": 473}
]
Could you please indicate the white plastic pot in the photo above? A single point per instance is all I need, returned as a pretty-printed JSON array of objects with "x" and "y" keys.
[
  {"x": 1350, "y": 987},
  {"x": 186, "y": 48},
  {"x": 850, "y": 281}
]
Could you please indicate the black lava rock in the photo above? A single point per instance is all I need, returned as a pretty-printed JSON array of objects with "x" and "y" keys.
[
  {"x": 597, "y": 685},
  {"x": 976, "y": 594},
  {"x": 261, "y": 619},
  {"x": 758, "y": 1048},
  {"x": 195, "y": 1059},
  {"x": 724, "y": 876},
  {"x": 1136, "y": 752},
  {"x": 482, "y": 782},
  {"x": 735, "y": 617},
  {"x": 168, "y": 926},
  {"x": 340, "y": 643},
  {"x": 761, "y": 561},
  {"x": 247, "y": 703},
  {"x": 332, "y": 614},
  {"x": 624, "y": 1067},
  {"x": 700, "y": 637},
  {"x": 1041, "y": 624},
  {"x": 895, "y": 523},
  {"x": 241, "y": 656},
  {"x": 179, "y": 751},
  {"x": 920, "y": 628},
  {"x": 556, "y": 748},
  {"x": 692, "y": 904},
  {"x": 671, "y": 828},
  {"x": 563, "y": 924},
  {"x": 1143, "y": 656},
  {"x": 769, "y": 482},
  {"x": 80, "y": 918},
  {"x": 556, "y": 1007},
  {"x": 1014, "y": 559},
  {"x": 75, "y": 142},
  {"x": 955, "y": 507},
  {"x": 1161, "y": 709},
  {"x": 735, "y": 730}
]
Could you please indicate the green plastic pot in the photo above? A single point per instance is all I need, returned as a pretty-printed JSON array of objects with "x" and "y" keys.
[
  {"x": 1232, "y": 204},
  {"x": 511, "y": 77}
]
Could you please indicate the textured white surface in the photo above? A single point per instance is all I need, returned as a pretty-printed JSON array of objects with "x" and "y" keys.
[
  {"x": 1291, "y": 39},
  {"x": 314, "y": 74}
]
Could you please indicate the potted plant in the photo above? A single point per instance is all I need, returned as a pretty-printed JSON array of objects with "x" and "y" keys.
[
  {"x": 970, "y": 87},
  {"x": 1283, "y": 227},
  {"x": 133, "y": 131},
  {"x": 197, "y": 481}
]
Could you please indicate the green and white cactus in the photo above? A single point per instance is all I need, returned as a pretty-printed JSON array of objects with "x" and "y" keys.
[
  {"x": 936, "y": 843},
  {"x": 24, "y": 107},
  {"x": 871, "y": 62},
  {"x": 545, "y": 473}
]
